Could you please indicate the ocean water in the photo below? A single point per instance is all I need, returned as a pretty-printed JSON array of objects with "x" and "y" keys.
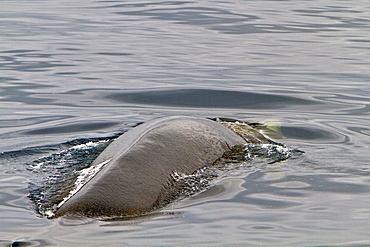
[{"x": 75, "y": 74}]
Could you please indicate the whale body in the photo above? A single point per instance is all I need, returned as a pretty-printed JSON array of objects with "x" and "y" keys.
[{"x": 137, "y": 167}]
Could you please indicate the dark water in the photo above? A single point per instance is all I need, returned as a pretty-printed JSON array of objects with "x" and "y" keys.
[{"x": 77, "y": 72}]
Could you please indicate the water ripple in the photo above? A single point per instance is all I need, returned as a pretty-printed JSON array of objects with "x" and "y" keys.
[{"x": 208, "y": 98}]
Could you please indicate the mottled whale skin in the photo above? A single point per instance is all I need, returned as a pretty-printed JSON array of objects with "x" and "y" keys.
[{"x": 140, "y": 163}]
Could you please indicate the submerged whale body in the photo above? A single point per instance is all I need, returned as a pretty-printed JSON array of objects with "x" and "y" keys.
[{"x": 137, "y": 167}]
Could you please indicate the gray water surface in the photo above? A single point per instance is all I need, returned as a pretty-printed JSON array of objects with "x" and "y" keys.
[{"x": 74, "y": 72}]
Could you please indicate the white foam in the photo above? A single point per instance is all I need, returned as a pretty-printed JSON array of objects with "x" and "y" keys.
[
  {"x": 274, "y": 151},
  {"x": 85, "y": 176},
  {"x": 88, "y": 145}
]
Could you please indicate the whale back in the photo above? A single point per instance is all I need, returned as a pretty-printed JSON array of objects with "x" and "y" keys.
[{"x": 140, "y": 163}]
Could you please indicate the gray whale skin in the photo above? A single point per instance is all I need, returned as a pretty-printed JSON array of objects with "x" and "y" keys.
[{"x": 139, "y": 165}]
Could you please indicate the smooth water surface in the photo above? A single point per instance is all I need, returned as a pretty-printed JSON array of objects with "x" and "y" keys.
[{"x": 79, "y": 72}]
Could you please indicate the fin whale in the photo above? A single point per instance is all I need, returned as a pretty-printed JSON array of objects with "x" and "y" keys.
[{"x": 138, "y": 165}]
